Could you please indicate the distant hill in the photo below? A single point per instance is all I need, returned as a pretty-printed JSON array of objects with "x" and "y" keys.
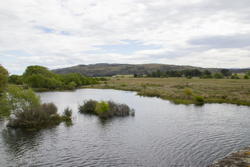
[{"x": 104, "y": 69}]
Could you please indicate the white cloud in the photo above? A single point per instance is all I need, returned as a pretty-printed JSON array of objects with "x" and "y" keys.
[{"x": 59, "y": 33}]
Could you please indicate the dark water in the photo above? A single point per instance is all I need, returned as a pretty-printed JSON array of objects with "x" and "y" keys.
[{"x": 160, "y": 134}]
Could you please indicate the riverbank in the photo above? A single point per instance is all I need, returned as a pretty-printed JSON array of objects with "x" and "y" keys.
[
  {"x": 236, "y": 159},
  {"x": 183, "y": 90}
]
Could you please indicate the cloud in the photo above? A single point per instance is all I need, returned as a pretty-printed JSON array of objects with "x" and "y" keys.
[
  {"x": 230, "y": 41},
  {"x": 60, "y": 33}
]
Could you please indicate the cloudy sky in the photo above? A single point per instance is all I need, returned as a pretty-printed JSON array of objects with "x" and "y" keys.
[{"x": 61, "y": 33}]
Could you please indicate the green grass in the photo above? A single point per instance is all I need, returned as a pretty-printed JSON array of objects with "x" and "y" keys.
[{"x": 186, "y": 91}]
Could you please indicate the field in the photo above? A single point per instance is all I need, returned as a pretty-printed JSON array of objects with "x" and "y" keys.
[{"x": 185, "y": 91}]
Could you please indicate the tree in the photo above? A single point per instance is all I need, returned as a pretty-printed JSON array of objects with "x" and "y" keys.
[
  {"x": 16, "y": 79},
  {"x": 226, "y": 72},
  {"x": 33, "y": 70},
  {"x": 22, "y": 99},
  {"x": 3, "y": 79},
  {"x": 206, "y": 74},
  {"x": 218, "y": 76},
  {"x": 235, "y": 76}
]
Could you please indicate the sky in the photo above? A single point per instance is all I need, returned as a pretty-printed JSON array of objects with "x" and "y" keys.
[{"x": 63, "y": 33}]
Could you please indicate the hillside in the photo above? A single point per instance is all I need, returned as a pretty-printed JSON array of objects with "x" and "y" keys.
[{"x": 104, "y": 69}]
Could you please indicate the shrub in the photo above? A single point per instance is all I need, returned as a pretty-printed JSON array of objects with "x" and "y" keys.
[
  {"x": 199, "y": 100},
  {"x": 246, "y": 77},
  {"x": 50, "y": 108},
  {"x": 218, "y": 76},
  {"x": 188, "y": 92},
  {"x": 105, "y": 109},
  {"x": 39, "y": 117},
  {"x": 4, "y": 106},
  {"x": 88, "y": 107},
  {"x": 67, "y": 115},
  {"x": 118, "y": 109},
  {"x": 101, "y": 108},
  {"x": 20, "y": 99},
  {"x": 235, "y": 76},
  {"x": 71, "y": 85},
  {"x": 36, "y": 118},
  {"x": 67, "y": 112}
]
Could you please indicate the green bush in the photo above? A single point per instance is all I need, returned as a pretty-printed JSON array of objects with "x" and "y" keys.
[
  {"x": 67, "y": 115},
  {"x": 105, "y": 109},
  {"x": 39, "y": 117},
  {"x": 246, "y": 77},
  {"x": 88, "y": 107},
  {"x": 36, "y": 118},
  {"x": 118, "y": 109},
  {"x": 5, "y": 109},
  {"x": 188, "y": 92},
  {"x": 67, "y": 112},
  {"x": 218, "y": 76},
  {"x": 199, "y": 100},
  {"x": 20, "y": 99},
  {"x": 102, "y": 108},
  {"x": 235, "y": 76},
  {"x": 71, "y": 85}
]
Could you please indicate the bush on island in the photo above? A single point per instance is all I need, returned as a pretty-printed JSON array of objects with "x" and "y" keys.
[{"x": 105, "y": 109}]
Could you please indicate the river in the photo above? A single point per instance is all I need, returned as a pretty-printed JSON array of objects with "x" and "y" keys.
[{"x": 160, "y": 134}]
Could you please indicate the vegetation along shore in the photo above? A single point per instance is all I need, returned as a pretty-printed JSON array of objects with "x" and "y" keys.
[{"x": 182, "y": 90}]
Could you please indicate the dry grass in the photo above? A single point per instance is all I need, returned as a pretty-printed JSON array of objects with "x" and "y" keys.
[{"x": 235, "y": 91}]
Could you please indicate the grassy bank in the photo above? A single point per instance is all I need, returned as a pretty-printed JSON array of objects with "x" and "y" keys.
[{"x": 186, "y": 91}]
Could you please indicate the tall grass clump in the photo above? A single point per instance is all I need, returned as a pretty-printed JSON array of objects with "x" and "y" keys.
[{"x": 105, "y": 109}]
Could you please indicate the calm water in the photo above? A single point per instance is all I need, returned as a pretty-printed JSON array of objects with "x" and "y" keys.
[{"x": 160, "y": 134}]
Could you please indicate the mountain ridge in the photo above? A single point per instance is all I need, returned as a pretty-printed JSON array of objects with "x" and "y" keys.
[{"x": 107, "y": 69}]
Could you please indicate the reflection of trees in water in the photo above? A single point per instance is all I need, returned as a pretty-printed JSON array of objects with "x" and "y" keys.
[
  {"x": 19, "y": 141},
  {"x": 108, "y": 122}
]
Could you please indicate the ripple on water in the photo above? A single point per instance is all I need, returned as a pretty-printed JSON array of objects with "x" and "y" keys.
[{"x": 160, "y": 134}]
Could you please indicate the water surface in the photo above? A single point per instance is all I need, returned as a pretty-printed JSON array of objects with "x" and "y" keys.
[{"x": 160, "y": 134}]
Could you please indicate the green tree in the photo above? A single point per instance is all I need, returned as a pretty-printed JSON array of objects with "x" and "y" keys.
[
  {"x": 218, "y": 76},
  {"x": 32, "y": 70},
  {"x": 20, "y": 99},
  {"x": 16, "y": 79},
  {"x": 3, "y": 79},
  {"x": 226, "y": 72}
]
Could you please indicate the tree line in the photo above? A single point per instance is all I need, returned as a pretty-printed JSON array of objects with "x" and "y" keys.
[
  {"x": 223, "y": 73},
  {"x": 42, "y": 78}
]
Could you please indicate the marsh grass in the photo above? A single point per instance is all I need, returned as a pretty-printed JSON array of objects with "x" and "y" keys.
[{"x": 234, "y": 91}]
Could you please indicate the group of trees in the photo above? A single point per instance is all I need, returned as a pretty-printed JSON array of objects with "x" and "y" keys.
[
  {"x": 3, "y": 78},
  {"x": 26, "y": 107},
  {"x": 224, "y": 73},
  {"x": 41, "y": 77}
]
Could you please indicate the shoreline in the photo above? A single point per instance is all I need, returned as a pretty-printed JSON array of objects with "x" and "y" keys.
[
  {"x": 184, "y": 91},
  {"x": 240, "y": 158}
]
